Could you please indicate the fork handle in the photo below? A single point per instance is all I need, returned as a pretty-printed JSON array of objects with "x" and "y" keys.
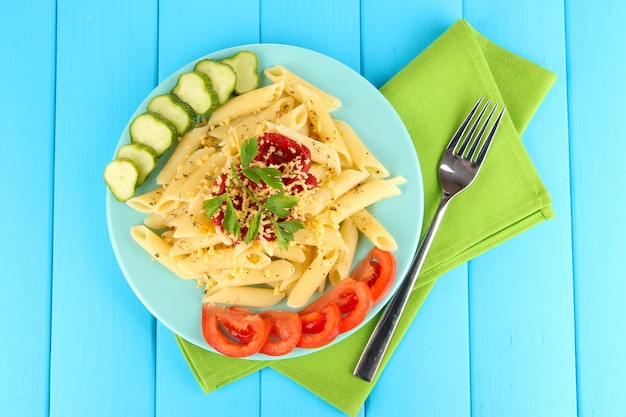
[{"x": 378, "y": 342}]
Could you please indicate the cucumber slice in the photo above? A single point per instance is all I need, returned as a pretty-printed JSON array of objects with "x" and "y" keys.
[
  {"x": 121, "y": 176},
  {"x": 175, "y": 110},
  {"x": 246, "y": 65},
  {"x": 222, "y": 76},
  {"x": 196, "y": 89},
  {"x": 153, "y": 130},
  {"x": 144, "y": 157}
]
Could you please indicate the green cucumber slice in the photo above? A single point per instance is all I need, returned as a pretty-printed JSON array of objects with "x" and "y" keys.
[
  {"x": 144, "y": 157},
  {"x": 175, "y": 110},
  {"x": 153, "y": 130},
  {"x": 246, "y": 66},
  {"x": 223, "y": 77},
  {"x": 121, "y": 176},
  {"x": 196, "y": 89}
]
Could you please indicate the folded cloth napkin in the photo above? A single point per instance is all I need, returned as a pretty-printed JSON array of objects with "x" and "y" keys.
[{"x": 432, "y": 94}]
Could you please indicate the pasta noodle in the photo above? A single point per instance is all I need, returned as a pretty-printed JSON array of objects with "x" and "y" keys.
[
  {"x": 312, "y": 278},
  {"x": 279, "y": 73},
  {"x": 350, "y": 236},
  {"x": 373, "y": 230},
  {"x": 323, "y": 124},
  {"x": 190, "y": 142},
  {"x": 247, "y": 103},
  {"x": 331, "y": 209},
  {"x": 362, "y": 158}
]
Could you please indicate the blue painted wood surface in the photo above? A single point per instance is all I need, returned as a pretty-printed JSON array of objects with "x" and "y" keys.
[{"x": 534, "y": 327}]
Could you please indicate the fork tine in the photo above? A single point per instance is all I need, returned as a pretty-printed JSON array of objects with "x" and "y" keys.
[
  {"x": 480, "y": 134},
  {"x": 461, "y": 130},
  {"x": 470, "y": 135},
  {"x": 492, "y": 133}
]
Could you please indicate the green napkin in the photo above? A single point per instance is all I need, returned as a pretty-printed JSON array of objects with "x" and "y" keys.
[{"x": 432, "y": 94}]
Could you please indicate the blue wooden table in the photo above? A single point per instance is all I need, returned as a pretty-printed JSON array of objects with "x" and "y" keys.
[{"x": 534, "y": 327}]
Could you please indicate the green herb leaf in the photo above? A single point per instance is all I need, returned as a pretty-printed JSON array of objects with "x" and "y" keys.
[
  {"x": 291, "y": 226},
  {"x": 212, "y": 205},
  {"x": 279, "y": 204},
  {"x": 249, "y": 150},
  {"x": 270, "y": 176},
  {"x": 252, "y": 175},
  {"x": 231, "y": 224},
  {"x": 276, "y": 207},
  {"x": 253, "y": 229},
  {"x": 284, "y": 232}
]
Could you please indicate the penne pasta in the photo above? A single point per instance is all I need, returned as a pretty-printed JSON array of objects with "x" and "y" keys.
[
  {"x": 371, "y": 228},
  {"x": 278, "y": 270},
  {"x": 312, "y": 278},
  {"x": 246, "y": 296},
  {"x": 362, "y": 196},
  {"x": 287, "y": 285},
  {"x": 252, "y": 125},
  {"x": 296, "y": 118},
  {"x": 189, "y": 142},
  {"x": 188, "y": 245},
  {"x": 321, "y": 153},
  {"x": 279, "y": 73},
  {"x": 223, "y": 258},
  {"x": 350, "y": 236},
  {"x": 323, "y": 124},
  {"x": 337, "y": 186},
  {"x": 324, "y": 237},
  {"x": 246, "y": 103},
  {"x": 146, "y": 202},
  {"x": 159, "y": 249},
  {"x": 362, "y": 158},
  {"x": 198, "y": 167}
]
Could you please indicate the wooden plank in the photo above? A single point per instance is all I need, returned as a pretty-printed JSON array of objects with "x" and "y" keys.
[
  {"x": 178, "y": 393},
  {"x": 191, "y": 31},
  {"x": 394, "y": 35},
  {"x": 596, "y": 87},
  {"x": 432, "y": 362},
  {"x": 429, "y": 373},
  {"x": 331, "y": 28},
  {"x": 102, "y": 348},
  {"x": 27, "y": 104},
  {"x": 521, "y": 305},
  {"x": 186, "y": 34}
]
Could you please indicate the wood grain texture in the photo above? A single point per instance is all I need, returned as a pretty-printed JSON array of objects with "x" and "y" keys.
[
  {"x": 102, "y": 345},
  {"x": 433, "y": 359},
  {"x": 596, "y": 87},
  {"x": 331, "y": 28},
  {"x": 26, "y": 172},
  {"x": 521, "y": 293},
  {"x": 534, "y": 327},
  {"x": 186, "y": 34}
]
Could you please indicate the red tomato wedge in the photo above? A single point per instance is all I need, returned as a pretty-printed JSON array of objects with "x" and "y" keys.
[
  {"x": 320, "y": 327},
  {"x": 236, "y": 332},
  {"x": 378, "y": 271},
  {"x": 285, "y": 332},
  {"x": 353, "y": 299}
]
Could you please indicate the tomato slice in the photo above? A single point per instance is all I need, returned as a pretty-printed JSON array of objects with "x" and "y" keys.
[
  {"x": 320, "y": 327},
  {"x": 378, "y": 270},
  {"x": 285, "y": 332},
  {"x": 353, "y": 299},
  {"x": 236, "y": 331}
]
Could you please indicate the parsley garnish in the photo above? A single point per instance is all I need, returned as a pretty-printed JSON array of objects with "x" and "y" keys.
[{"x": 275, "y": 208}]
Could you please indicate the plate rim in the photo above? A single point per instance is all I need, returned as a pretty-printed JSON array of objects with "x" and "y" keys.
[{"x": 418, "y": 211}]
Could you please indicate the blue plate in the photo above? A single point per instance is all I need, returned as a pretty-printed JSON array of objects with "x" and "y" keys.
[{"x": 177, "y": 303}]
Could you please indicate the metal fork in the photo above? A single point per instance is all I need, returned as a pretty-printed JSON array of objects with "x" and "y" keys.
[{"x": 458, "y": 168}]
